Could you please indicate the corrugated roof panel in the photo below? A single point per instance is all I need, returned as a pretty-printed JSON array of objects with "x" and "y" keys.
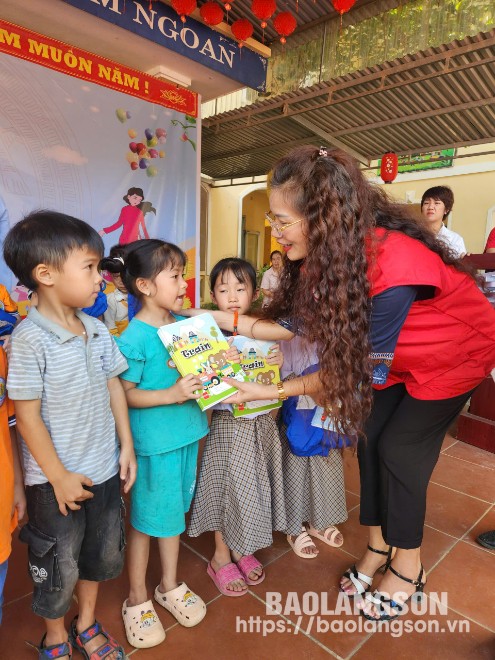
[{"x": 440, "y": 96}]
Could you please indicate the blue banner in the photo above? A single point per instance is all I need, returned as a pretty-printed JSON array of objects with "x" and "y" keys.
[{"x": 193, "y": 39}]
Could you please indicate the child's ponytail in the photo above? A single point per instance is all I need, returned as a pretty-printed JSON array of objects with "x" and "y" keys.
[
  {"x": 114, "y": 265},
  {"x": 144, "y": 258}
]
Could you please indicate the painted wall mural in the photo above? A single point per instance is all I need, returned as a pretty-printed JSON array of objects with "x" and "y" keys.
[{"x": 126, "y": 165}]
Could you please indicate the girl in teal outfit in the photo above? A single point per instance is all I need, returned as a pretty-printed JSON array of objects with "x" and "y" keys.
[{"x": 167, "y": 425}]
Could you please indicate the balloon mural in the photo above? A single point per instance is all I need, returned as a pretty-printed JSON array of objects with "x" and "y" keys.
[{"x": 144, "y": 153}]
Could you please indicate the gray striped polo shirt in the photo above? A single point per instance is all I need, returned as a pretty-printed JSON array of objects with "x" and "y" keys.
[{"x": 70, "y": 376}]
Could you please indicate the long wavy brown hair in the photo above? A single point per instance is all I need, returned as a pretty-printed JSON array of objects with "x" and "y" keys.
[{"x": 327, "y": 293}]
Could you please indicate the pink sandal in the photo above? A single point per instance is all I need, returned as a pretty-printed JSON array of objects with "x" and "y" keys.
[
  {"x": 328, "y": 535},
  {"x": 302, "y": 541},
  {"x": 247, "y": 565},
  {"x": 225, "y": 576}
]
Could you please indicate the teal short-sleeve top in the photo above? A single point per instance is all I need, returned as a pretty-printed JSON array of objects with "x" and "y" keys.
[{"x": 162, "y": 428}]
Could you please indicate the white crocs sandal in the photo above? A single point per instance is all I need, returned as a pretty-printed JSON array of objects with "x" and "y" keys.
[
  {"x": 186, "y": 606},
  {"x": 143, "y": 628}
]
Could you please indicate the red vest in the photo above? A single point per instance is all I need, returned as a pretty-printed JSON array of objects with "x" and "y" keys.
[{"x": 447, "y": 344}]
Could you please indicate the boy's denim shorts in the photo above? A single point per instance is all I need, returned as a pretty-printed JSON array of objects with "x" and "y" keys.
[{"x": 84, "y": 545}]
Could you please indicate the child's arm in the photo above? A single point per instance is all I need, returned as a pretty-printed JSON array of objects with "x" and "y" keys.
[
  {"x": 184, "y": 389},
  {"x": 127, "y": 461},
  {"x": 68, "y": 486},
  {"x": 19, "y": 493},
  {"x": 248, "y": 326},
  {"x": 232, "y": 355},
  {"x": 275, "y": 356}
]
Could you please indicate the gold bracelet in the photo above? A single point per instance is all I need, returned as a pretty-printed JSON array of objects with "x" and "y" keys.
[{"x": 282, "y": 396}]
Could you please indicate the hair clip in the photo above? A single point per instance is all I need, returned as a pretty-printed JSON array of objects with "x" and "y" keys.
[
  {"x": 119, "y": 259},
  {"x": 323, "y": 152}
]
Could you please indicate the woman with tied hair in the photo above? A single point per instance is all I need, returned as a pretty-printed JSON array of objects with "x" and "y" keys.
[
  {"x": 403, "y": 337},
  {"x": 436, "y": 204}
]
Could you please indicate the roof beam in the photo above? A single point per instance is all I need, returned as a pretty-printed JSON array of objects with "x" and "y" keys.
[
  {"x": 330, "y": 139},
  {"x": 330, "y": 101},
  {"x": 436, "y": 112},
  {"x": 255, "y": 150}
]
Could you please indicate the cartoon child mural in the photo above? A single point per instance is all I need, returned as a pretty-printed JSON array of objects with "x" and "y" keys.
[{"x": 131, "y": 217}]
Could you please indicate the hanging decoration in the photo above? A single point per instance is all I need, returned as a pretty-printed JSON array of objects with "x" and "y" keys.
[
  {"x": 389, "y": 167},
  {"x": 228, "y": 6},
  {"x": 264, "y": 10},
  {"x": 242, "y": 29},
  {"x": 342, "y": 7},
  {"x": 284, "y": 24},
  {"x": 184, "y": 8},
  {"x": 211, "y": 13}
]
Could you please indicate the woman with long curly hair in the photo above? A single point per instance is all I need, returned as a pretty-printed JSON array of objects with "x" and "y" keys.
[{"x": 403, "y": 337}]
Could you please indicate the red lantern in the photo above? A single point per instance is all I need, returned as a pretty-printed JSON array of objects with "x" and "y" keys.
[
  {"x": 389, "y": 167},
  {"x": 284, "y": 24},
  {"x": 264, "y": 10},
  {"x": 228, "y": 5},
  {"x": 211, "y": 13},
  {"x": 343, "y": 6},
  {"x": 242, "y": 29},
  {"x": 184, "y": 8}
]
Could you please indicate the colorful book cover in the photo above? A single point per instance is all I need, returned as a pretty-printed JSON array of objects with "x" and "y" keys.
[
  {"x": 197, "y": 346},
  {"x": 253, "y": 362}
]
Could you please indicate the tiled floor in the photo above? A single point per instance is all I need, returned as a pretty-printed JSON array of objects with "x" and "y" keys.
[{"x": 461, "y": 505}]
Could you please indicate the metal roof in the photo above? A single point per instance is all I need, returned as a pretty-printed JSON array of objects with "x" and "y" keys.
[{"x": 438, "y": 98}]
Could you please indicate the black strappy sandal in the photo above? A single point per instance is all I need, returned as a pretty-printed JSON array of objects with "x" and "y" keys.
[
  {"x": 378, "y": 599},
  {"x": 357, "y": 578}
]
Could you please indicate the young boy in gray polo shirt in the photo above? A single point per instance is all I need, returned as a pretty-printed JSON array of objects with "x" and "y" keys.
[{"x": 63, "y": 377}]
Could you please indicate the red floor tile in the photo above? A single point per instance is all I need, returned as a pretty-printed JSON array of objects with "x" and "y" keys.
[
  {"x": 472, "y": 454},
  {"x": 295, "y": 578},
  {"x": 435, "y": 545},
  {"x": 355, "y": 535},
  {"x": 486, "y": 524},
  {"x": 18, "y": 580},
  {"x": 351, "y": 499},
  {"x": 19, "y": 626},
  {"x": 448, "y": 442},
  {"x": 216, "y": 637},
  {"x": 429, "y": 637},
  {"x": 467, "y": 575},
  {"x": 452, "y": 512},
  {"x": 459, "y": 567},
  {"x": 465, "y": 477},
  {"x": 351, "y": 472}
]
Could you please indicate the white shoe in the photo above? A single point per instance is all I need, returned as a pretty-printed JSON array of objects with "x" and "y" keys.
[
  {"x": 142, "y": 625},
  {"x": 186, "y": 606}
]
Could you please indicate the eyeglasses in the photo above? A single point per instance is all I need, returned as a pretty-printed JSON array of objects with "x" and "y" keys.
[{"x": 278, "y": 228}]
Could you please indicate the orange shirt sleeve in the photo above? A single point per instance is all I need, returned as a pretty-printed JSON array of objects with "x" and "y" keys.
[{"x": 8, "y": 304}]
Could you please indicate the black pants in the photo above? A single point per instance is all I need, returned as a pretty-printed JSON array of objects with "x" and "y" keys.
[{"x": 403, "y": 441}]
